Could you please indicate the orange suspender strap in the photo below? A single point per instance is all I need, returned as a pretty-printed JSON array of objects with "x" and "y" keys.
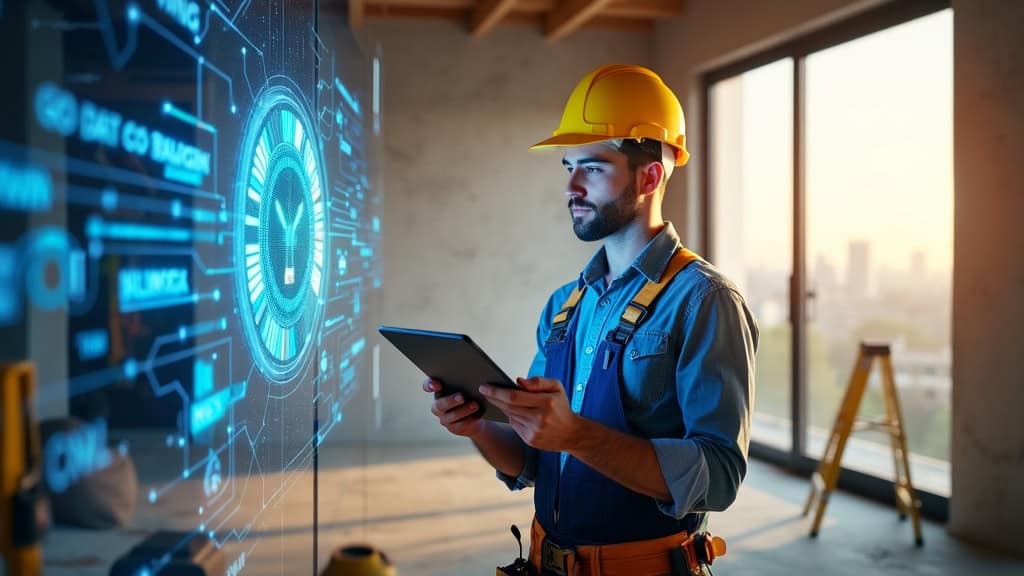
[
  {"x": 637, "y": 310},
  {"x": 560, "y": 323}
]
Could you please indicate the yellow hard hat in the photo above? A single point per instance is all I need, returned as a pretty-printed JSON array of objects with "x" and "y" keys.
[{"x": 621, "y": 101}]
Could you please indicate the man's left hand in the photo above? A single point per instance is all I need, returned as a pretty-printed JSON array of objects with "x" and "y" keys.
[{"x": 538, "y": 411}]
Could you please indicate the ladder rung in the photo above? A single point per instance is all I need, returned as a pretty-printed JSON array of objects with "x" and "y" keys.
[{"x": 862, "y": 425}]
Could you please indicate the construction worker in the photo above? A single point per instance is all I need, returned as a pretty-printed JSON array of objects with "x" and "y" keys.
[{"x": 634, "y": 421}]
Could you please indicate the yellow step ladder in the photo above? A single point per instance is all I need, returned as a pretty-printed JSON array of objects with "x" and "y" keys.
[{"x": 824, "y": 480}]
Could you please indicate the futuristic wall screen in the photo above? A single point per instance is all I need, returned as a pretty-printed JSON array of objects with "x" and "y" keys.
[{"x": 189, "y": 244}]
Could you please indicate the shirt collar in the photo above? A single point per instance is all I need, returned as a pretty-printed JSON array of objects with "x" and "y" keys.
[{"x": 651, "y": 262}]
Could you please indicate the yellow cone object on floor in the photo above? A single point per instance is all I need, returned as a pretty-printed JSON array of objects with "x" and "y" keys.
[
  {"x": 621, "y": 101},
  {"x": 359, "y": 560}
]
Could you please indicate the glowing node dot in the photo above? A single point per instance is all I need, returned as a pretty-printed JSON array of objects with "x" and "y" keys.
[
  {"x": 216, "y": 295},
  {"x": 131, "y": 368},
  {"x": 152, "y": 495},
  {"x": 223, "y": 323},
  {"x": 243, "y": 50},
  {"x": 181, "y": 442},
  {"x": 214, "y": 356},
  {"x": 201, "y": 509},
  {"x": 182, "y": 333},
  {"x": 211, "y": 534},
  {"x": 196, "y": 38},
  {"x": 234, "y": 109},
  {"x": 202, "y": 527},
  {"x": 133, "y": 13},
  {"x": 167, "y": 107},
  {"x": 201, "y": 60},
  {"x": 185, "y": 474}
]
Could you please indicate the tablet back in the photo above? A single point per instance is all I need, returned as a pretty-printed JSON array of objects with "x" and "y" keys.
[{"x": 454, "y": 359}]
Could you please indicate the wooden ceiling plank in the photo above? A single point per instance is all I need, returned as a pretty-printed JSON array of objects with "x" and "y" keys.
[
  {"x": 487, "y": 15},
  {"x": 644, "y": 9},
  {"x": 356, "y": 14},
  {"x": 570, "y": 15},
  {"x": 387, "y": 4},
  {"x": 417, "y": 13}
]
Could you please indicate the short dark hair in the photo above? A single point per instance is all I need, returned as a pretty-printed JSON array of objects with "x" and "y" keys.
[{"x": 643, "y": 151}]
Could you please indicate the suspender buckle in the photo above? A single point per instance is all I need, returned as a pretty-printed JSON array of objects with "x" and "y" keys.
[{"x": 631, "y": 318}]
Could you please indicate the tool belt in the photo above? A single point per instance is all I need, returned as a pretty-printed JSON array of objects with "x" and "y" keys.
[{"x": 680, "y": 554}]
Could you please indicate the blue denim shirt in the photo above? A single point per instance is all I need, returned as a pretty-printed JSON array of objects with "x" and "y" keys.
[{"x": 688, "y": 371}]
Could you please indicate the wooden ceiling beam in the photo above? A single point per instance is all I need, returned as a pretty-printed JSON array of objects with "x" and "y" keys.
[
  {"x": 356, "y": 14},
  {"x": 644, "y": 9},
  {"x": 462, "y": 4},
  {"x": 487, "y": 15},
  {"x": 418, "y": 13},
  {"x": 570, "y": 15}
]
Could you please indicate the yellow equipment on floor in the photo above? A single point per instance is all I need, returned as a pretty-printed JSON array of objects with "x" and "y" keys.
[
  {"x": 24, "y": 510},
  {"x": 359, "y": 561},
  {"x": 825, "y": 479}
]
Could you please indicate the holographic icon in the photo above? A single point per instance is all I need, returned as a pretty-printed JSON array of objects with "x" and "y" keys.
[
  {"x": 280, "y": 234},
  {"x": 289, "y": 241},
  {"x": 213, "y": 478}
]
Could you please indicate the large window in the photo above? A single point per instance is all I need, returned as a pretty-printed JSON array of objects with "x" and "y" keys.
[
  {"x": 829, "y": 198},
  {"x": 752, "y": 159}
]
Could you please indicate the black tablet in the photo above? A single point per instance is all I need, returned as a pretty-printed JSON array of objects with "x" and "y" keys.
[{"x": 453, "y": 359}]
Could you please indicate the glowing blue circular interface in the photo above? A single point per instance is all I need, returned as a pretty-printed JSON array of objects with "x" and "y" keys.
[{"x": 280, "y": 239}]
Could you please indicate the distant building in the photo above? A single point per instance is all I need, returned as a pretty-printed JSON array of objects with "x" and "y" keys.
[{"x": 858, "y": 269}]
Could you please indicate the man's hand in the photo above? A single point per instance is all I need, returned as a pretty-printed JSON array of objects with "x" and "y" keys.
[
  {"x": 455, "y": 414},
  {"x": 539, "y": 412}
]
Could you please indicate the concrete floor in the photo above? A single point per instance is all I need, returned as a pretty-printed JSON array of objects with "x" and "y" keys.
[{"x": 438, "y": 510}]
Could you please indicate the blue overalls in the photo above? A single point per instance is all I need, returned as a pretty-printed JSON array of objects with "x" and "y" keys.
[{"x": 578, "y": 505}]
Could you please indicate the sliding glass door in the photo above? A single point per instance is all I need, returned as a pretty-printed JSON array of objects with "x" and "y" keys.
[{"x": 829, "y": 201}]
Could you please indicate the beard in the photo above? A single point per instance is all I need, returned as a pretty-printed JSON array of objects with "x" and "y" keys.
[{"x": 608, "y": 218}]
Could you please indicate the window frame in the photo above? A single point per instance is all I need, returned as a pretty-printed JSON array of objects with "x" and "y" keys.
[{"x": 933, "y": 506}]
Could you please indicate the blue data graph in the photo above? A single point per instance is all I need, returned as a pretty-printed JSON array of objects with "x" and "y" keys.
[{"x": 187, "y": 202}]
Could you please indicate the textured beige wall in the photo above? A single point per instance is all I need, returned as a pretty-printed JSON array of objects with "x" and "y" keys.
[
  {"x": 476, "y": 231},
  {"x": 988, "y": 279}
]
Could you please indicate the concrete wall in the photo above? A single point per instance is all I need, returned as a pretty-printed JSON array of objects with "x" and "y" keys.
[
  {"x": 988, "y": 279},
  {"x": 476, "y": 230}
]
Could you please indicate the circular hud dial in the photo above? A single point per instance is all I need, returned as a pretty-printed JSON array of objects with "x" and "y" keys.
[{"x": 280, "y": 237}]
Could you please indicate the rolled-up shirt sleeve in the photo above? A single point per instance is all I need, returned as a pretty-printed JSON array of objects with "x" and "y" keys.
[
  {"x": 715, "y": 390},
  {"x": 527, "y": 476}
]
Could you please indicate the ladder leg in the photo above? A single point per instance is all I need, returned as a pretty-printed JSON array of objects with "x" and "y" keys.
[
  {"x": 906, "y": 496},
  {"x": 830, "y": 462}
]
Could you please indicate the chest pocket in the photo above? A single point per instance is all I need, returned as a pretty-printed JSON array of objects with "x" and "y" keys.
[{"x": 648, "y": 368}]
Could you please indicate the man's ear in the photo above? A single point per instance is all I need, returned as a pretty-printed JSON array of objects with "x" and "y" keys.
[{"x": 650, "y": 177}]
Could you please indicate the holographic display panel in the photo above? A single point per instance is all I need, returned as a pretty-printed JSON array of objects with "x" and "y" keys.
[{"x": 188, "y": 252}]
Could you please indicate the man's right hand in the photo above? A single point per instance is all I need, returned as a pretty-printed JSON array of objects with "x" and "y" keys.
[{"x": 455, "y": 414}]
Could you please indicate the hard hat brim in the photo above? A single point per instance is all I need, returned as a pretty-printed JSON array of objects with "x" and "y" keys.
[{"x": 565, "y": 140}]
